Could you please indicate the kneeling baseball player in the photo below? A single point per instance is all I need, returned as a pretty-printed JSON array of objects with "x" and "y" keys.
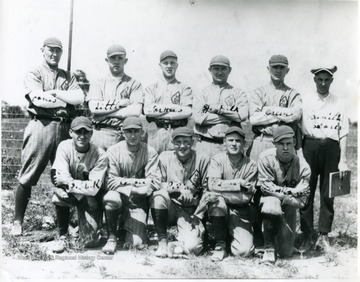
[
  {"x": 78, "y": 174},
  {"x": 284, "y": 182},
  {"x": 183, "y": 178}
]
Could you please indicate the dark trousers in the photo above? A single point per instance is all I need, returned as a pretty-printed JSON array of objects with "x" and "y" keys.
[{"x": 323, "y": 157}]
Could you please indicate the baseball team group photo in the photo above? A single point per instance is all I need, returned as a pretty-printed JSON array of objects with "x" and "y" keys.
[{"x": 122, "y": 177}]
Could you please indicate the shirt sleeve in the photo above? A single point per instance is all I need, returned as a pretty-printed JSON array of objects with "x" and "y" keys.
[
  {"x": 136, "y": 95},
  {"x": 242, "y": 104},
  {"x": 33, "y": 81},
  {"x": 344, "y": 121},
  {"x": 198, "y": 105},
  {"x": 62, "y": 161},
  {"x": 257, "y": 113}
]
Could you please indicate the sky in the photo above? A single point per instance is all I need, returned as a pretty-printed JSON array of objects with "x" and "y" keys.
[{"x": 310, "y": 33}]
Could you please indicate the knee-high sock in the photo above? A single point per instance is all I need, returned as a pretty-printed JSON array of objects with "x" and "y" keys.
[
  {"x": 219, "y": 226},
  {"x": 22, "y": 197},
  {"x": 160, "y": 217},
  {"x": 111, "y": 221},
  {"x": 63, "y": 218}
]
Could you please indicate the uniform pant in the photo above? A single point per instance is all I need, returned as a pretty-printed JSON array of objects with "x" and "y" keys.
[
  {"x": 323, "y": 157},
  {"x": 134, "y": 210},
  {"x": 106, "y": 137},
  {"x": 259, "y": 145},
  {"x": 238, "y": 225},
  {"x": 279, "y": 230},
  {"x": 192, "y": 236},
  {"x": 89, "y": 216},
  {"x": 41, "y": 139}
]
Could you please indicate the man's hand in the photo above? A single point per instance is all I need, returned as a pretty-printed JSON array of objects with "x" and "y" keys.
[
  {"x": 143, "y": 190},
  {"x": 61, "y": 180},
  {"x": 123, "y": 103},
  {"x": 60, "y": 193},
  {"x": 342, "y": 168},
  {"x": 245, "y": 186},
  {"x": 214, "y": 108},
  {"x": 185, "y": 197}
]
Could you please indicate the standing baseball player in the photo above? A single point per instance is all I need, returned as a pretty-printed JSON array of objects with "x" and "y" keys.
[
  {"x": 52, "y": 95},
  {"x": 183, "y": 178},
  {"x": 217, "y": 107},
  {"x": 284, "y": 182},
  {"x": 272, "y": 105},
  {"x": 113, "y": 98},
  {"x": 231, "y": 177},
  {"x": 325, "y": 127},
  {"x": 79, "y": 172},
  {"x": 167, "y": 104},
  {"x": 133, "y": 175}
]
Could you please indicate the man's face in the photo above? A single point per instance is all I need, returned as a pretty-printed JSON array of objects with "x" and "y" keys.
[
  {"x": 116, "y": 64},
  {"x": 323, "y": 81},
  {"x": 81, "y": 138},
  {"x": 182, "y": 145},
  {"x": 168, "y": 67},
  {"x": 285, "y": 149},
  {"x": 220, "y": 74},
  {"x": 133, "y": 136},
  {"x": 278, "y": 72},
  {"x": 52, "y": 55},
  {"x": 233, "y": 143}
]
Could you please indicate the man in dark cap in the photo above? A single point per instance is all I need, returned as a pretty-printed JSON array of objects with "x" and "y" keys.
[
  {"x": 183, "y": 179},
  {"x": 231, "y": 182},
  {"x": 325, "y": 127},
  {"x": 52, "y": 94},
  {"x": 78, "y": 174},
  {"x": 167, "y": 104},
  {"x": 272, "y": 105},
  {"x": 284, "y": 182},
  {"x": 113, "y": 98},
  {"x": 217, "y": 107},
  {"x": 133, "y": 175}
]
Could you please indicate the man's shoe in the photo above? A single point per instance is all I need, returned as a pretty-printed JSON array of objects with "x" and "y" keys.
[
  {"x": 109, "y": 247},
  {"x": 161, "y": 251},
  {"x": 322, "y": 243},
  {"x": 59, "y": 245},
  {"x": 218, "y": 253},
  {"x": 269, "y": 256},
  {"x": 16, "y": 229},
  {"x": 307, "y": 245}
]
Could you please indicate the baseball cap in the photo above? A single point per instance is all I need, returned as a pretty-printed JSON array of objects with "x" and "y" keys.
[
  {"x": 331, "y": 71},
  {"x": 167, "y": 53},
  {"x": 278, "y": 60},
  {"x": 236, "y": 129},
  {"x": 281, "y": 132},
  {"x": 220, "y": 61},
  {"x": 116, "y": 49},
  {"x": 81, "y": 122},
  {"x": 53, "y": 42},
  {"x": 182, "y": 131},
  {"x": 132, "y": 122}
]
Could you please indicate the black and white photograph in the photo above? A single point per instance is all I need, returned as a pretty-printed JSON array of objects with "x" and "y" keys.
[{"x": 179, "y": 139}]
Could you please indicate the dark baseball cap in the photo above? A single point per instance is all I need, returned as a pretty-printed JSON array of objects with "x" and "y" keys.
[
  {"x": 182, "y": 131},
  {"x": 115, "y": 49},
  {"x": 236, "y": 129},
  {"x": 330, "y": 71},
  {"x": 81, "y": 122},
  {"x": 220, "y": 60},
  {"x": 278, "y": 60},
  {"x": 132, "y": 122},
  {"x": 281, "y": 132},
  {"x": 53, "y": 42},
  {"x": 167, "y": 53}
]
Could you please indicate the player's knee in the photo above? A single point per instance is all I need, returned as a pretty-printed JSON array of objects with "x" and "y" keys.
[
  {"x": 242, "y": 250},
  {"x": 160, "y": 200},
  {"x": 57, "y": 201},
  {"x": 194, "y": 245},
  {"x": 112, "y": 200},
  {"x": 218, "y": 208}
]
